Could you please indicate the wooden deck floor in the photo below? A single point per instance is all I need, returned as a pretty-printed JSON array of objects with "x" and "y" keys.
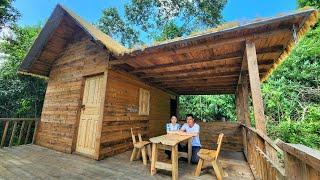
[{"x": 35, "y": 162}]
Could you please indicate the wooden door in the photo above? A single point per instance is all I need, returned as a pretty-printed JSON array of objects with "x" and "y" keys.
[{"x": 90, "y": 116}]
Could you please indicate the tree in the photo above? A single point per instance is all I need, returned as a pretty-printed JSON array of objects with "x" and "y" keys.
[
  {"x": 160, "y": 19},
  {"x": 20, "y": 95},
  {"x": 292, "y": 94},
  {"x": 314, "y": 3},
  {"x": 8, "y": 14}
]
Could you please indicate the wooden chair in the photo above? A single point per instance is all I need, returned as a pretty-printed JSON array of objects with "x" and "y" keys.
[
  {"x": 140, "y": 147},
  {"x": 212, "y": 156}
]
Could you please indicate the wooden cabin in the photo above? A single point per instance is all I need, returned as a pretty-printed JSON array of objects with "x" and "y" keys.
[{"x": 98, "y": 89}]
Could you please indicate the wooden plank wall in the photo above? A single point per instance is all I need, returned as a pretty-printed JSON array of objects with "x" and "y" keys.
[
  {"x": 209, "y": 132},
  {"x": 121, "y": 113},
  {"x": 57, "y": 128}
]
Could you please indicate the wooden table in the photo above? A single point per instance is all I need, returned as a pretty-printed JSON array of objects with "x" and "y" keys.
[{"x": 172, "y": 141}]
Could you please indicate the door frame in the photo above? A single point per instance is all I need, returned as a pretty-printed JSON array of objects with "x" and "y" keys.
[{"x": 96, "y": 156}]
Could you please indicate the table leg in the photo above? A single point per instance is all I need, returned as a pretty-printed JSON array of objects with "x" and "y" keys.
[
  {"x": 189, "y": 150},
  {"x": 154, "y": 158},
  {"x": 174, "y": 158}
]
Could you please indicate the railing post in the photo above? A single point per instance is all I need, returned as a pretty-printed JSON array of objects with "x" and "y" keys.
[
  {"x": 21, "y": 132},
  {"x": 4, "y": 134},
  {"x": 12, "y": 133},
  {"x": 28, "y": 132},
  {"x": 34, "y": 132}
]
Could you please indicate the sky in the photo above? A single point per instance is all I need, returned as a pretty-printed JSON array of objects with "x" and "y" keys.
[{"x": 36, "y": 12}]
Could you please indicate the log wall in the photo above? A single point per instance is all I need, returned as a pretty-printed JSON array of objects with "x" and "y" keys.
[
  {"x": 121, "y": 113},
  {"x": 57, "y": 128}
]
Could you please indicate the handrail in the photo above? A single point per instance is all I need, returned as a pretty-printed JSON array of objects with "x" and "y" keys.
[
  {"x": 19, "y": 126},
  {"x": 271, "y": 166},
  {"x": 303, "y": 155},
  {"x": 264, "y": 137},
  {"x": 19, "y": 119},
  {"x": 262, "y": 154}
]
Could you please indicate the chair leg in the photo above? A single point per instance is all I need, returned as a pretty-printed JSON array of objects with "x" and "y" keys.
[
  {"x": 217, "y": 169},
  {"x": 149, "y": 151},
  {"x": 199, "y": 167},
  {"x": 144, "y": 155},
  {"x": 139, "y": 154},
  {"x": 134, "y": 154}
]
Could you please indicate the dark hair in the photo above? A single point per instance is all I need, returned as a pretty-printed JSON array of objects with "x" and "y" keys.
[{"x": 189, "y": 115}]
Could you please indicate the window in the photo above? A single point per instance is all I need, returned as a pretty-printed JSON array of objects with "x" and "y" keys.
[{"x": 144, "y": 102}]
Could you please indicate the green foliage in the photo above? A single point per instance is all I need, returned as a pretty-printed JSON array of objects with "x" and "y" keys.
[
  {"x": 208, "y": 107},
  {"x": 8, "y": 14},
  {"x": 292, "y": 94},
  {"x": 160, "y": 19},
  {"x": 112, "y": 24},
  {"x": 20, "y": 96},
  {"x": 314, "y": 3},
  {"x": 298, "y": 132},
  {"x": 170, "y": 31}
]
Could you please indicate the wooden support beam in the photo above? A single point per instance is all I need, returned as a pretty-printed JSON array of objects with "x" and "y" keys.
[
  {"x": 227, "y": 57},
  {"x": 245, "y": 102},
  {"x": 255, "y": 86},
  {"x": 239, "y": 105},
  {"x": 235, "y": 56},
  {"x": 207, "y": 71},
  {"x": 209, "y": 92},
  {"x": 156, "y": 52},
  {"x": 193, "y": 78},
  {"x": 243, "y": 94}
]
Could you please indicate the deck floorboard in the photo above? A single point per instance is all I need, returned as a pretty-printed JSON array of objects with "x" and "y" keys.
[{"x": 35, "y": 162}]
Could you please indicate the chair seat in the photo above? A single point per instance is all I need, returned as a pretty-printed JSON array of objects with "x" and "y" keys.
[
  {"x": 207, "y": 154},
  {"x": 141, "y": 144}
]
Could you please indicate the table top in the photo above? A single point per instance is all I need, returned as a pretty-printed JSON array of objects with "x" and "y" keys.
[{"x": 170, "y": 139}]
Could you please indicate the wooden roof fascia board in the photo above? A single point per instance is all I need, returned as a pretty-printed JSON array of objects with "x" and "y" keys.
[
  {"x": 48, "y": 30},
  {"x": 205, "y": 35},
  {"x": 42, "y": 39},
  {"x": 310, "y": 21}
]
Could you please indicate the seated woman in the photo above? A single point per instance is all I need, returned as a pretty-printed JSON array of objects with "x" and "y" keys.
[{"x": 172, "y": 127}]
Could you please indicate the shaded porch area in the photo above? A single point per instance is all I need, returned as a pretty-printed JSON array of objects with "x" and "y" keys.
[{"x": 35, "y": 162}]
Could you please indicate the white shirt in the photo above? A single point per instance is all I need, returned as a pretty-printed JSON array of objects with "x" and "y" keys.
[
  {"x": 170, "y": 127},
  {"x": 194, "y": 129}
]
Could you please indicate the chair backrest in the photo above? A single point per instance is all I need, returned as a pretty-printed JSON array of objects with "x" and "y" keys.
[
  {"x": 134, "y": 137},
  {"x": 219, "y": 143}
]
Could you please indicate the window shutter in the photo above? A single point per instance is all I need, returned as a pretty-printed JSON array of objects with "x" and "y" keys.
[{"x": 144, "y": 101}]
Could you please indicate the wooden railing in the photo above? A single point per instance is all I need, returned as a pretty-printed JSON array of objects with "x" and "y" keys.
[
  {"x": 301, "y": 162},
  {"x": 263, "y": 155},
  {"x": 17, "y": 131}
]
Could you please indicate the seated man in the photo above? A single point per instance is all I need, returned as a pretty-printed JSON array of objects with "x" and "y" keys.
[{"x": 192, "y": 128}]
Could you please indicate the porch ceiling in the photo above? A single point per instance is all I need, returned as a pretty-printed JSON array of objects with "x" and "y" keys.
[{"x": 210, "y": 63}]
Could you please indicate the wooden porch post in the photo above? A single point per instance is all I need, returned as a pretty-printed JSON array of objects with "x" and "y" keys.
[
  {"x": 239, "y": 104},
  {"x": 245, "y": 94},
  {"x": 177, "y": 110},
  {"x": 255, "y": 87},
  {"x": 242, "y": 94}
]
